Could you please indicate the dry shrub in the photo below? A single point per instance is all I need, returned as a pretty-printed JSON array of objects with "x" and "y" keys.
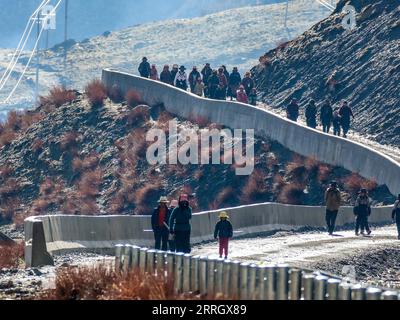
[
  {"x": 312, "y": 165},
  {"x": 324, "y": 172},
  {"x": 138, "y": 116},
  {"x": 103, "y": 283},
  {"x": 254, "y": 188},
  {"x": 96, "y": 93},
  {"x": 291, "y": 194},
  {"x": 133, "y": 98},
  {"x": 57, "y": 97},
  {"x": 89, "y": 163},
  {"x": 297, "y": 170},
  {"x": 146, "y": 197},
  {"x": 354, "y": 183},
  {"x": 115, "y": 94},
  {"x": 6, "y": 138},
  {"x": 69, "y": 141},
  {"x": 89, "y": 184},
  {"x": 9, "y": 209},
  {"x": 11, "y": 255},
  {"x": 264, "y": 60},
  {"x": 37, "y": 145},
  {"x": 202, "y": 122},
  {"x": 51, "y": 197},
  {"x": 9, "y": 188},
  {"x": 224, "y": 198}
]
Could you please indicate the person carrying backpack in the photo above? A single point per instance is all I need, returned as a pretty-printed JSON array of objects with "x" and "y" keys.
[
  {"x": 180, "y": 226},
  {"x": 144, "y": 68},
  {"x": 292, "y": 111},
  {"x": 396, "y": 214},
  {"x": 326, "y": 116},
  {"x": 346, "y": 113},
  {"x": 311, "y": 114},
  {"x": 333, "y": 200},
  {"x": 159, "y": 222},
  {"x": 181, "y": 79},
  {"x": 223, "y": 232},
  {"x": 362, "y": 210}
]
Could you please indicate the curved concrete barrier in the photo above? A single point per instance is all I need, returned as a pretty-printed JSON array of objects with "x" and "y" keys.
[
  {"x": 326, "y": 148},
  {"x": 62, "y": 234}
]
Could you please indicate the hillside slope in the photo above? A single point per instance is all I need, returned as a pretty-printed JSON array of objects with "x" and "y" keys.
[
  {"x": 80, "y": 159},
  {"x": 233, "y": 37},
  {"x": 366, "y": 62}
]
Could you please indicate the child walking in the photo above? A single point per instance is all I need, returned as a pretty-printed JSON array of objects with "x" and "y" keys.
[{"x": 223, "y": 232}]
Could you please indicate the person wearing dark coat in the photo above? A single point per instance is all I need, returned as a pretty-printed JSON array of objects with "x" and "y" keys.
[
  {"x": 206, "y": 73},
  {"x": 346, "y": 113},
  {"x": 223, "y": 84},
  {"x": 326, "y": 116},
  {"x": 171, "y": 242},
  {"x": 293, "y": 110},
  {"x": 362, "y": 210},
  {"x": 235, "y": 79},
  {"x": 193, "y": 76},
  {"x": 174, "y": 71},
  {"x": 226, "y": 73},
  {"x": 180, "y": 226},
  {"x": 144, "y": 68},
  {"x": 223, "y": 232},
  {"x": 213, "y": 83},
  {"x": 166, "y": 76},
  {"x": 396, "y": 214},
  {"x": 159, "y": 222},
  {"x": 248, "y": 83},
  {"x": 311, "y": 114}
]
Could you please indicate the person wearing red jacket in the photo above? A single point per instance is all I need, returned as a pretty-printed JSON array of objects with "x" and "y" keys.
[{"x": 241, "y": 95}]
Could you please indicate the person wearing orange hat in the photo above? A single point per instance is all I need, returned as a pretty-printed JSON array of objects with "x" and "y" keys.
[
  {"x": 180, "y": 226},
  {"x": 223, "y": 232}
]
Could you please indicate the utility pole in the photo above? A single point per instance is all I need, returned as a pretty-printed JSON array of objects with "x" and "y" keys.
[
  {"x": 65, "y": 32},
  {"x": 37, "y": 57}
]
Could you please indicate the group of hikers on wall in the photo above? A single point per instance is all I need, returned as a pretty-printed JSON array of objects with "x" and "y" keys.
[
  {"x": 216, "y": 84},
  {"x": 171, "y": 221},
  {"x": 219, "y": 84}
]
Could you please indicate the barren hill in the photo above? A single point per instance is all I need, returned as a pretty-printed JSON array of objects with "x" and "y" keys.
[{"x": 366, "y": 62}]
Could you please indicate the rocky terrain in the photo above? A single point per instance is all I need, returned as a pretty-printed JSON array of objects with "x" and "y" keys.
[
  {"x": 79, "y": 159},
  {"x": 235, "y": 37},
  {"x": 363, "y": 64}
]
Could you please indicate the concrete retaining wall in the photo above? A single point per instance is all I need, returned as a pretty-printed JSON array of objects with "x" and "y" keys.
[
  {"x": 101, "y": 234},
  {"x": 326, "y": 148}
]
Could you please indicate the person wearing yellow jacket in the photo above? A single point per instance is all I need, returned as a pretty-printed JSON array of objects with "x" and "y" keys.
[{"x": 333, "y": 200}]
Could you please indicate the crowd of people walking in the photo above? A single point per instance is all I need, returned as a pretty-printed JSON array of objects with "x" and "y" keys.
[
  {"x": 211, "y": 83},
  {"x": 338, "y": 118},
  {"x": 171, "y": 221}
]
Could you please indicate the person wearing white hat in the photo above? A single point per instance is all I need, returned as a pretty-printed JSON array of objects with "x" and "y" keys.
[
  {"x": 159, "y": 223},
  {"x": 223, "y": 232}
]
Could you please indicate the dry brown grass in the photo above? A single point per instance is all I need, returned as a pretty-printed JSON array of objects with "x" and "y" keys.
[
  {"x": 255, "y": 187},
  {"x": 89, "y": 184},
  {"x": 69, "y": 141},
  {"x": 292, "y": 194},
  {"x": 115, "y": 94},
  {"x": 146, "y": 197},
  {"x": 96, "y": 92},
  {"x": 324, "y": 172},
  {"x": 102, "y": 283},
  {"x": 264, "y": 60},
  {"x": 133, "y": 98},
  {"x": 354, "y": 183},
  {"x": 89, "y": 163},
  {"x": 138, "y": 116},
  {"x": 224, "y": 198},
  {"x": 11, "y": 256},
  {"x": 37, "y": 146},
  {"x": 57, "y": 97}
]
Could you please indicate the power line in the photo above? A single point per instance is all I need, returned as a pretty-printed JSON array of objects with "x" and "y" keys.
[
  {"x": 32, "y": 54},
  {"x": 19, "y": 50}
]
